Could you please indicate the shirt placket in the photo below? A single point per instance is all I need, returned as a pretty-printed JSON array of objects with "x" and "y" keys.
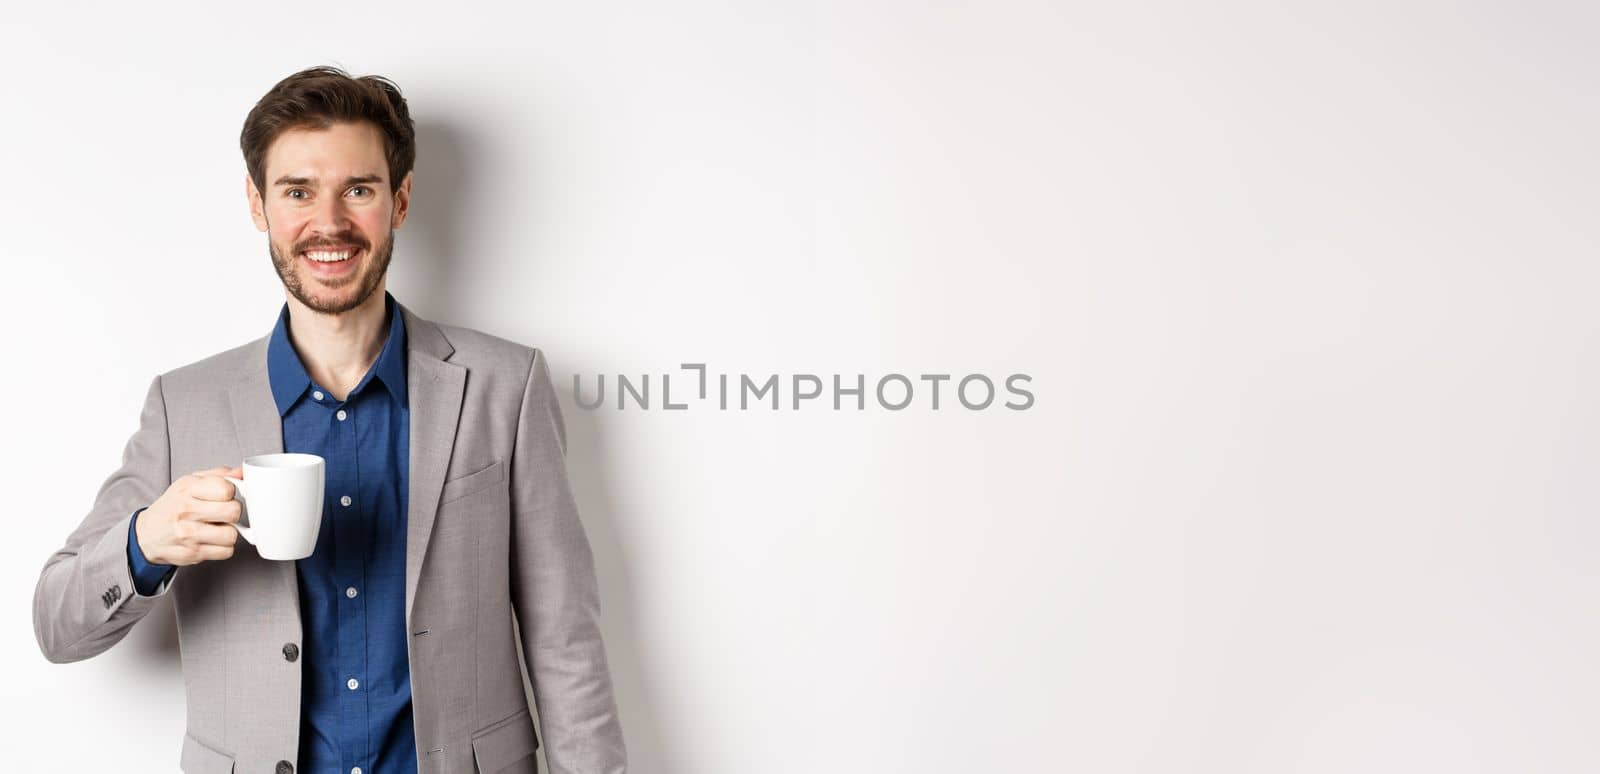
[{"x": 350, "y": 537}]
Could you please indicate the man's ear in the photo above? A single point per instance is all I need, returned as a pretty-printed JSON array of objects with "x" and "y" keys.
[
  {"x": 258, "y": 212},
  {"x": 402, "y": 203}
]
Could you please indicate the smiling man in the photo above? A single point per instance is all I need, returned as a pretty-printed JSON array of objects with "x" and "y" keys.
[{"x": 447, "y": 510}]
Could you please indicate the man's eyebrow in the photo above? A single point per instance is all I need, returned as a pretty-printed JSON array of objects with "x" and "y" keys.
[{"x": 349, "y": 181}]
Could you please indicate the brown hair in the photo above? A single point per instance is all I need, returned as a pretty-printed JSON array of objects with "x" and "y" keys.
[{"x": 318, "y": 97}]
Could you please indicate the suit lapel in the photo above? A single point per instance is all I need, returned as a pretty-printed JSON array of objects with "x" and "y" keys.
[
  {"x": 434, "y": 389},
  {"x": 255, "y": 416},
  {"x": 260, "y": 431}
]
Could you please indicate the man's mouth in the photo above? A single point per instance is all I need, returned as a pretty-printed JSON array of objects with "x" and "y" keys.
[
  {"x": 330, "y": 255},
  {"x": 333, "y": 264}
]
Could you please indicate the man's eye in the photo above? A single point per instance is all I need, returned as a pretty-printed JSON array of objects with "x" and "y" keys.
[
  {"x": 294, "y": 193},
  {"x": 363, "y": 189}
]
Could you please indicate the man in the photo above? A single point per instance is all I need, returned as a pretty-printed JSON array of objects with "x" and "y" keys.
[{"x": 447, "y": 507}]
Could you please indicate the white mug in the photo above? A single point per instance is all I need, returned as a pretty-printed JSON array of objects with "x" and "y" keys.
[{"x": 281, "y": 495}]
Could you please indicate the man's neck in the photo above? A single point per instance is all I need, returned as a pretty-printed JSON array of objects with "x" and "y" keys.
[{"x": 338, "y": 349}]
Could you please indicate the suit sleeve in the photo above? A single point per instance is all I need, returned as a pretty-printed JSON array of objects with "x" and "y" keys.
[
  {"x": 556, "y": 596},
  {"x": 85, "y": 600}
]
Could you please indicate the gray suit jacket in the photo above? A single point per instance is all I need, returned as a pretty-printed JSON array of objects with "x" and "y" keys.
[{"x": 493, "y": 532}]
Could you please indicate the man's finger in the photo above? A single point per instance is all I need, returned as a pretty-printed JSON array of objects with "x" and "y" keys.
[
  {"x": 212, "y": 553},
  {"x": 221, "y": 511},
  {"x": 213, "y": 487},
  {"x": 208, "y": 534}
]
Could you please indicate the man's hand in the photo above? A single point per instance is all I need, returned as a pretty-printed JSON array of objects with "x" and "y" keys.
[{"x": 192, "y": 521}]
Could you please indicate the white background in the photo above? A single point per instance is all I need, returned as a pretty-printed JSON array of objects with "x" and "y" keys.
[{"x": 1306, "y": 295}]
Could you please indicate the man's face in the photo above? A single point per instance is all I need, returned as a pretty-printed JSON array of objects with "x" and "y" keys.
[{"x": 329, "y": 213}]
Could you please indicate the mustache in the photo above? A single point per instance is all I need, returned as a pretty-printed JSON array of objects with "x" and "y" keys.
[{"x": 342, "y": 240}]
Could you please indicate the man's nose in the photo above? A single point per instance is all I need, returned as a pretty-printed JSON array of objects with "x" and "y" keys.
[{"x": 330, "y": 216}]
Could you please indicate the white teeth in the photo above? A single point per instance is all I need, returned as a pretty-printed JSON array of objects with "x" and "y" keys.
[{"x": 322, "y": 256}]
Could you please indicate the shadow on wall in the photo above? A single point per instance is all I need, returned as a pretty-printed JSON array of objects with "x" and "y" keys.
[
  {"x": 442, "y": 197},
  {"x": 427, "y": 246}
]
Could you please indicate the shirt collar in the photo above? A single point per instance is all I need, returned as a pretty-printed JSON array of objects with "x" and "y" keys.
[{"x": 287, "y": 374}]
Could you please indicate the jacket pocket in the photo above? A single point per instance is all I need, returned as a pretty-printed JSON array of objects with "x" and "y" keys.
[
  {"x": 495, "y": 749},
  {"x": 200, "y": 758},
  {"x": 457, "y": 488}
]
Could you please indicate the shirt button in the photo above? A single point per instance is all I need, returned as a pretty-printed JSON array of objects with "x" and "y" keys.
[
  {"x": 351, "y": 592},
  {"x": 352, "y": 684},
  {"x": 341, "y": 415},
  {"x": 316, "y": 395},
  {"x": 345, "y": 501},
  {"x": 291, "y": 652},
  {"x": 355, "y": 770}
]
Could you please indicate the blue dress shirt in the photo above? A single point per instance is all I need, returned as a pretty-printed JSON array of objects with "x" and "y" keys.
[{"x": 355, "y": 678}]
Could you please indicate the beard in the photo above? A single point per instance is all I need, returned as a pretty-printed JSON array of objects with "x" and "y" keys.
[{"x": 362, "y": 284}]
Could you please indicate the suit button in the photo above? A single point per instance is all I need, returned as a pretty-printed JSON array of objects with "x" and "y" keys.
[
  {"x": 284, "y": 767},
  {"x": 291, "y": 652}
]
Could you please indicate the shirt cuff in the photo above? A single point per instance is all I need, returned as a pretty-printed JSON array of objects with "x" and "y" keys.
[{"x": 148, "y": 576}]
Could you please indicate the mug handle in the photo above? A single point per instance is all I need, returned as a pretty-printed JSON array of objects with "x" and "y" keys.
[{"x": 238, "y": 492}]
